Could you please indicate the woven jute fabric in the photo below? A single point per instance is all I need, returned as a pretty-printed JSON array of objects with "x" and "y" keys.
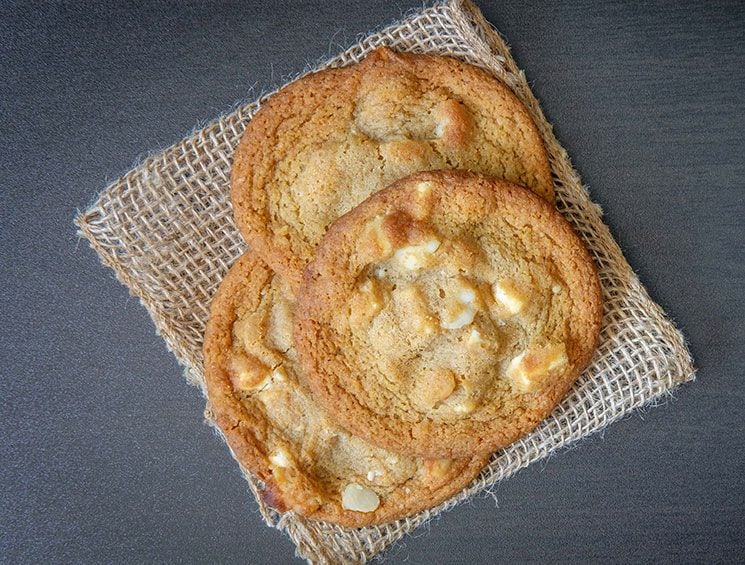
[{"x": 166, "y": 229}]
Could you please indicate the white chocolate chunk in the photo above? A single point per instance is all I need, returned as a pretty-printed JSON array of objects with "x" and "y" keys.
[
  {"x": 366, "y": 303},
  {"x": 529, "y": 370},
  {"x": 467, "y": 295},
  {"x": 556, "y": 289},
  {"x": 454, "y": 122},
  {"x": 462, "y": 311},
  {"x": 359, "y": 499},
  {"x": 437, "y": 468},
  {"x": 376, "y": 239},
  {"x": 474, "y": 340},
  {"x": 433, "y": 386},
  {"x": 247, "y": 373},
  {"x": 271, "y": 390},
  {"x": 479, "y": 346},
  {"x": 372, "y": 290},
  {"x": 281, "y": 459},
  {"x": 374, "y": 474},
  {"x": 415, "y": 257},
  {"x": 279, "y": 375},
  {"x": 508, "y": 295},
  {"x": 465, "y": 407},
  {"x": 464, "y": 316},
  {"x": 424, "y": 188}
]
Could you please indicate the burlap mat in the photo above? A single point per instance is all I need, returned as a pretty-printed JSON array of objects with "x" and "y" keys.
[{"x": 167, "y": 231}]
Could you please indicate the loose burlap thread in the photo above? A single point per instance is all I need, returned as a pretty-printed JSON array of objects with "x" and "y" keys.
[{"x": 166, "y": 229}]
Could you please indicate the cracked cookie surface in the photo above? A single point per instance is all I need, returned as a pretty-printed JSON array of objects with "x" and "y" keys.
[
  {"x": 326, "y": 142},
  {"x": 447, "y": 315},
  {"x": 307, "y": 463}
]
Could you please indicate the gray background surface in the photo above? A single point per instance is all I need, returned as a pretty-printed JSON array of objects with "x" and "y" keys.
[{"x": 104, "y": 456}]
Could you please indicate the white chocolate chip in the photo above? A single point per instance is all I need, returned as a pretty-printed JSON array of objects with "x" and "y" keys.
[
  {"x": 528, "y": 371},
  {"x": 465, "y": 407},
  {"x": 279, "y": 375},
  {"x": 465, "y": 316},
  {"x": 433, "y": 386},
  {"x": 359, "y": 499},
  {"x": 438, "y": 468},
  {"x": 366, "y": 303},
  {"x": 376, "y": 240},
  {"x": 374, "y": 474},
  {"x": 467, "y": 295},
  {"x": 280, "y": 459},
  {"x": 556, "y": 289},
  {"x": 374, "y": 293},
  {"x": 474, "y": 339},
  {"x": 507, "y": 294},
  {"x": 462, "y": 311},
  {"x": 424, "y": 187},
  {"x": 247, "y": 373},
  {"x": 477, "y": 344},
  {"x": 415, "y": 257}
]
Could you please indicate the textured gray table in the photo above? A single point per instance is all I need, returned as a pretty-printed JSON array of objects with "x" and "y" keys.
[{"x": 104, "y": 454}]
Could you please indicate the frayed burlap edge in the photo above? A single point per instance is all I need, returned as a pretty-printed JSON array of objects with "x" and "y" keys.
[{"x": 166, "y": 229}]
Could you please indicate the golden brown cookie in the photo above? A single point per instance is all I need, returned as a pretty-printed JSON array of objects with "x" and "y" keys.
[
  {"x": 447, "y": 315},
  {"x": 308, "y": 464},
  {"x": 326, "y": 142}
]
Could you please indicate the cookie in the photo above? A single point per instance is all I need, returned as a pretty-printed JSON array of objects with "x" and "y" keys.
[
  {"x": 326, "y": 142},
  {"x": 447, "y": 315},
  {"x": 307, "y": 464}
]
